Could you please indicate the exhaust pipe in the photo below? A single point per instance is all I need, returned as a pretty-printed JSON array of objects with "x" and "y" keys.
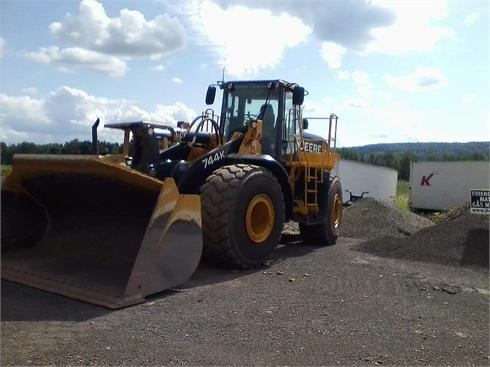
[{"x": 95, "y": 145}]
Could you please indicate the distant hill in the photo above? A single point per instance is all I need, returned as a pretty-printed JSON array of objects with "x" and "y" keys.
[
  {"x": 479, "y": 150},
  {"x": 399, "y": 155}
]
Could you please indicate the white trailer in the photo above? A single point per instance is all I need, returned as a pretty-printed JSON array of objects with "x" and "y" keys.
[
  {"x": 442, "y": 185},
  {"x": 379, "y": 182}
]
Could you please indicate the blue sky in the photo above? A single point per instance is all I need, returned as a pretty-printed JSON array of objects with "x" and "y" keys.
[{"x": 393, "y": 71}]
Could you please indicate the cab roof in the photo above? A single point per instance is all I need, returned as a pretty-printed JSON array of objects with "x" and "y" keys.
[{"x": 273, "y": 82}]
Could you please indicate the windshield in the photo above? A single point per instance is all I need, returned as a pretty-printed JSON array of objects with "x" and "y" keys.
[{"x": 249, "y": 102}]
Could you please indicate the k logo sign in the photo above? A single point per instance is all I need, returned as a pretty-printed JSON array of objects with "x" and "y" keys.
[{"x": 425, "y": 180}]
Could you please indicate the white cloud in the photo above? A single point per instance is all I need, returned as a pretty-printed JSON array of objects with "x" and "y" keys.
[
  {"x": 421, "y": 79},
  {"x": 390, "y": 122},
  {"x": 370, "y": 116},
  {"x": 2, "y": 46},
  {"x": 30, "y": 91},
  {"x": 360, "y": 77},
  {"x": 384, "y": 119},
  {"x": 158, "y": 67},
  {"x": 245, "y": 40},
  {"x": 24, "y": 113},
  {"x": 129, "y": 35},
  {"x": 471, "y": 18},
  {"x": 399, "y": 122},
  {"x": 170, "y": 114},
  {"x": 79, "y": 58},
  {"x": 365, "y": 90},
  {"x": 343, "y": 75},
  {"x": 68, "y": 113},
  {"x": 332, "y": 53},
  {"x": 383, "y": 26},
  {"x": 177, "y": 80},
  {"x": 311, "y": 108},
  {"x": 345, "y": 22},
  {"x": 415, "y": 28},
  {"x": 105, "y": 44},
  {"x": 357, "y": 103},
  {"x": 469, "y": 98}
]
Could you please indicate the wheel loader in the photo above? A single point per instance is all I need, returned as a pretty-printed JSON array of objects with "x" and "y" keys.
[{"x": 112, "y": 229}]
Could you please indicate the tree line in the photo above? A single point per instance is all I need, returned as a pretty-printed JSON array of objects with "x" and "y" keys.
[
  {"x": 71, "y": 147},
  {"x": 398, "y": 157}
]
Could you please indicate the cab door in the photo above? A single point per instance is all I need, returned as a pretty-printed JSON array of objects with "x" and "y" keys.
[{"x": 289, "y": 133}]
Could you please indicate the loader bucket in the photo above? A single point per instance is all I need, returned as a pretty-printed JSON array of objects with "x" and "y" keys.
[{"x": 92, "y": 229}]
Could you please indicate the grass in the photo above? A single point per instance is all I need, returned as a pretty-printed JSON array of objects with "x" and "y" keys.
[
  {"x": 402, "y": 195},
  {"x": 401, "y": 201},
  {"x": 5, "y": 170}
]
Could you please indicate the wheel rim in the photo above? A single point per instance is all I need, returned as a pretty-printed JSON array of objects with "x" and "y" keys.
[
  {"x": 259, "y": 218},
  {"x": 337, "y": 211}
]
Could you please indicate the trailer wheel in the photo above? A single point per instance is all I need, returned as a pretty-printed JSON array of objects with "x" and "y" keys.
[
  {"x": 242, "y": 215},
  {"x": 326, "y": 232}
]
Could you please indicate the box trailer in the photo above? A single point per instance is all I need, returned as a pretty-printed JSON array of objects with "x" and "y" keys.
[
  {"x": 442, "y": 185},
  {"x": 379, "y": 182}
]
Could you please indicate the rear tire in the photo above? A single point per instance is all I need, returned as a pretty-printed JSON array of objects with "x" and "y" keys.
[
  {"x": 242, "y": 214},
  {"x": 326, "y": 232}
]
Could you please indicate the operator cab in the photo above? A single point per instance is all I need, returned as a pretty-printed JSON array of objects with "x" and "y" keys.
[{"x": 275, "y": 102}]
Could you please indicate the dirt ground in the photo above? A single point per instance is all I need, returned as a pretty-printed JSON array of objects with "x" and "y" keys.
[{"x": 311, "y": 306}]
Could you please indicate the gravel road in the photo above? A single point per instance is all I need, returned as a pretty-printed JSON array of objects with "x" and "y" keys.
[{"x": 310, "y": 306}]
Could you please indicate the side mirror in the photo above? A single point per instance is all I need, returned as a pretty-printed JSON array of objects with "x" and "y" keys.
[
  {"x": 298, "y": 95},
  {"x": 305, "y": 124},
  {"x": 210, "y": 95}
]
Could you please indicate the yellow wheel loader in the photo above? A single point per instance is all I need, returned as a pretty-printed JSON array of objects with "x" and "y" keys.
[{"x": 113, "y": 229}]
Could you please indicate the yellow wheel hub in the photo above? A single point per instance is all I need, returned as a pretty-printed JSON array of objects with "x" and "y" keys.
[
  {"x": 337, "y": 210},
  {"x": 259, "y": 218}
]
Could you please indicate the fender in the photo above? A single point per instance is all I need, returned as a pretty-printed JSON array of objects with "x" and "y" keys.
[
  {"x": 266, "y": 161},
  {"x": 191, "y": 176}
]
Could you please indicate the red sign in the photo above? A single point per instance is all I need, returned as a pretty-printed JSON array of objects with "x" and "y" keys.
[{"x": 425, "y": 180}]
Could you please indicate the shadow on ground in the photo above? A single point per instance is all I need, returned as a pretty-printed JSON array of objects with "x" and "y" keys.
[
  {"x": 476, "y": 248},
  {"x": 22, "y": 303}
]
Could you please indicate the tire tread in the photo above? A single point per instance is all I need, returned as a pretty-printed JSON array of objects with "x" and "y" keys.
[{"x": 217, "y": 196}]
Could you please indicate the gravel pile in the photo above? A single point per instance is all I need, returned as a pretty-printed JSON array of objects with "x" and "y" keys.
[
  {"x": 459, "y": 239},
  {"x": 370, "y": 219}
]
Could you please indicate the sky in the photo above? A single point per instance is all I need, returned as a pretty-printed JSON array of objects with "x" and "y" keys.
[{"x": 393, "y": 71}]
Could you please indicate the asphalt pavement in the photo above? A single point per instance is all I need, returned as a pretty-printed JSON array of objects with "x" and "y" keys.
[{"x": 310, "y": 306}]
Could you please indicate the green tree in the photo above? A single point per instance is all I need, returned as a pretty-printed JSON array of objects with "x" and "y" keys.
[{"x": 404, "y": 166}]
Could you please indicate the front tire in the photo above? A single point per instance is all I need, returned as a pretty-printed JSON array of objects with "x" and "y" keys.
[
  {"x": 242, "y": 214},
  {"x": 327, "y": 231}
]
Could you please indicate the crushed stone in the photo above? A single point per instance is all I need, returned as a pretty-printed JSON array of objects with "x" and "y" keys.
[
  {"x": 456, "y": 238},
  {"x": 459, "y": 239},
  {"x": 370, "y": 219}
]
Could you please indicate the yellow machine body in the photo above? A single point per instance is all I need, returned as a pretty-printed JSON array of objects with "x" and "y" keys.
[
  {"x": 113, "y": 229},
  {"x": 90, "y": 228}
]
